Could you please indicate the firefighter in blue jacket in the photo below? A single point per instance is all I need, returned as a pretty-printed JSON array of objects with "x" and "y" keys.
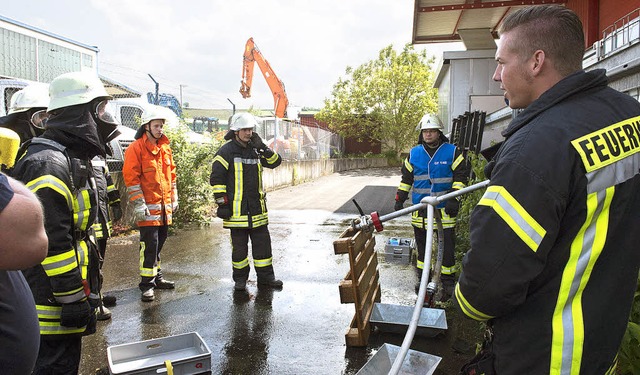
[
  {"x": 434, "y": 167},
  {"x": 236, "y": 178},
  {"x": 57, "y": 168}
]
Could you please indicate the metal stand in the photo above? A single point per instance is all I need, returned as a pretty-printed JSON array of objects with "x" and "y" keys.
[{"x": 367, "y": 221}]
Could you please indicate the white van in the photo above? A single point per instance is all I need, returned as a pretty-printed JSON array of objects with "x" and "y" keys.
[{"x": 129, "y": 112}]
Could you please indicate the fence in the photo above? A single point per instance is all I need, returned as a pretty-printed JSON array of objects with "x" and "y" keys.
[{"x": 294, "y": 141}]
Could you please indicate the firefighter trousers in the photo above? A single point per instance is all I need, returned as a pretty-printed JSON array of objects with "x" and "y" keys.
[
  {"x": 448, "y": 257},
  {"x": 151, "y": 241},
  {"x": 59, "y": 356},
  {"x": 260, "y": 251}
]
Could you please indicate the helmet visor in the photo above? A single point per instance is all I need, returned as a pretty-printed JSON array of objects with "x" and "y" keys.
[
  {"x": 105, "y": 112},
  {"x": 39, "y": 118}
]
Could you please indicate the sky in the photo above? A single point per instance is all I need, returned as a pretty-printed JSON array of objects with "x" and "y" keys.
[{"x": 196, "y": 46}]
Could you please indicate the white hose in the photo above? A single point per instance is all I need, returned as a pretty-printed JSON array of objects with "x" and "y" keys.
[{"x": 417, "y": 310}]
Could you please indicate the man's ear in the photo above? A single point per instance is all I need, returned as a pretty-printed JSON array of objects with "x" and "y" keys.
[{"x": 537, "y": 62}]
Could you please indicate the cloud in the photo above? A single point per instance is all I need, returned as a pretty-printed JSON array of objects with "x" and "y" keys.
[{"x": 198, "y": 44}]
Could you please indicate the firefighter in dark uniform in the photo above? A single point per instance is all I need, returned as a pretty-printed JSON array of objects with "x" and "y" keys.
[
  {"x": 57, "y": 168},
  {"x": 27, "y": 111},
  {"x": 554, "y": 258},
  {"x": 108, "y": 197},
  {"x": 236, "y": 178},
  {"x": 434, "y": 167}
]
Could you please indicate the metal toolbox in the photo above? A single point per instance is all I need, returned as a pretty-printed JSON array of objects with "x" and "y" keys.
[
  {"x": 183, "y": 354},
  {"x": 399, "y": 249}
]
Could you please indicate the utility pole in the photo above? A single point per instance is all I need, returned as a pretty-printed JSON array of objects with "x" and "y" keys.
[
  {"x": 181, "y": 86},
  {"x": 155, "y": 101}
]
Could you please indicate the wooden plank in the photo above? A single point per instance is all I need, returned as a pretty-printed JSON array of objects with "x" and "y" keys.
[
  {"x": 359, "y": 241},
  {"x": 346, "y": 293},
  {"x": 369, "y": 297},
  {"x": 356, "y": 336},
  {"x": 363, "y": 259},
  {"x": 365, "y": 282},
  {"x": 341, "y": 245}
]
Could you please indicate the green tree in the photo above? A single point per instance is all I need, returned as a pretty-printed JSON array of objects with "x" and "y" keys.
[{"x": 383, "y": 99}]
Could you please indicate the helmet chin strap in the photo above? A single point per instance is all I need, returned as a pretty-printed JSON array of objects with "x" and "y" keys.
[{"x": 147, "y": 128}]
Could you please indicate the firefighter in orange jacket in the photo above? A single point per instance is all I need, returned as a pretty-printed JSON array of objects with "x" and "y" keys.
[{"x": 150, "y": 176}]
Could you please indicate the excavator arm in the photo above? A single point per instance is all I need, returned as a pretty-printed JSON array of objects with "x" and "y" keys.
[{"x": 253, "y": 55}]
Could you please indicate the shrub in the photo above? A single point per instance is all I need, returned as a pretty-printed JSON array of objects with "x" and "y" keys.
[{"x": 193, "y": 166}]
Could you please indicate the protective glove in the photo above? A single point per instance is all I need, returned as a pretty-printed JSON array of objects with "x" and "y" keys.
[
  {"x": 401, "y": 196},
  {"x": 77, "y": 314},
  {"x": 451, "y": 207},
  {"x": 257, "y": 142},
  {"x": 224, "y": 211},
  {"x": 398, "y": 206},
  {"x": 174, "y": 206},
  {"x": 116, "y": 211},
  {"x": 140, "y": 210}
]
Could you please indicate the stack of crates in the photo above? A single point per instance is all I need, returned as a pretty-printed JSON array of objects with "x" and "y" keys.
[{"x": 399, "y": 250}]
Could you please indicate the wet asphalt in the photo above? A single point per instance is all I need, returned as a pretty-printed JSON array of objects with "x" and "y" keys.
[{"x": 297, "y": 330}]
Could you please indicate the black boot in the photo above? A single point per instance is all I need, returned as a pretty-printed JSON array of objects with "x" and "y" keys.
[
  {"x": 273, "y": 283},
  {"x": 240, "y": 285},
  {"x": 448, "y": 287},
  {"x": 162, "y": 283}
]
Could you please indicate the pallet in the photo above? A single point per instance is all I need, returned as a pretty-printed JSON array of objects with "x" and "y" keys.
[{"x": 361, "y": 285}]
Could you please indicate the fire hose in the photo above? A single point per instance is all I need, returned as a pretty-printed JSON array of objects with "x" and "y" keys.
[{"x": 374, "y": 220}]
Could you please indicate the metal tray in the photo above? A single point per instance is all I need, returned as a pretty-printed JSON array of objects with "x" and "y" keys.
[
  {"x": 396, "y": 319},
  {"x": 188, "y": 354},
  {"x": 415, "y": 362}
]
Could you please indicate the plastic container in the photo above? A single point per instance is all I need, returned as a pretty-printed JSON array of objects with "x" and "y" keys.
[{"x": 184, "y": 354}]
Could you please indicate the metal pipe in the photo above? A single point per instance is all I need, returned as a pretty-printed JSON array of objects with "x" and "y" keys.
[{"x": 431, "y": 202}]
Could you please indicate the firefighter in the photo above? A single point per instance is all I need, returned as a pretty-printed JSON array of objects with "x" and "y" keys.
[
  {"x": 150, "y": 176},
  {"x": 434, "y": 167},
  {"x": 27, "y": 112},
  {"x": 553, "y": 264},
  {"x": 57, "y": 168},
  {"x": 108, "y": 197},
  {"x": 236, "y": 177}
]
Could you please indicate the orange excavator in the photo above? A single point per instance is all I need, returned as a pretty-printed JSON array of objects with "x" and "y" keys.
[{"x": 252, "y": 54}]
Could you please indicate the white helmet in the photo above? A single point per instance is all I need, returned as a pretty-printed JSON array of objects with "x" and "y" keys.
[
  {"x": 243, "y": 120},
  {"x": 32, "y": 96},
  {"x": 430, "y": 122},
  {"x": 75, "y": 88},
  {"x": 154, "y": 113}
]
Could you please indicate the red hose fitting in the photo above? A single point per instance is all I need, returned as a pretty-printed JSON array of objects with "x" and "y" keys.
[{"x": 377, "y": 224}]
